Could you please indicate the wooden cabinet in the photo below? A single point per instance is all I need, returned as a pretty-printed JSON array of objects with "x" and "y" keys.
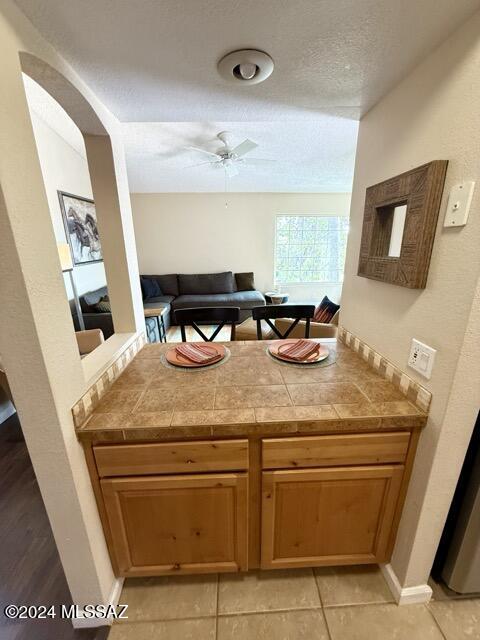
[
  {"x": 236, "y": 504},
  {"x": 328, "y": 516},
  {"x": 180, "y": 523}
]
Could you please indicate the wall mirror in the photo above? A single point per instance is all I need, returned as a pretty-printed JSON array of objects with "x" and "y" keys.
[{"x": 399, "y": 225}]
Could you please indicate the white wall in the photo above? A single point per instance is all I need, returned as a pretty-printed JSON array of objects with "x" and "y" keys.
[
  {"x": 197, "y": 233},
  {"x": 433, "y": 114},
  {"x": 65, "y": 168}
]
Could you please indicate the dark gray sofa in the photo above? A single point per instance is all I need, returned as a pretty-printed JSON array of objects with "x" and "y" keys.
[
  {"x": 208, "y": 290},
  {"x": 179, "y": 291},
  {"x": 94, "y": 319}
]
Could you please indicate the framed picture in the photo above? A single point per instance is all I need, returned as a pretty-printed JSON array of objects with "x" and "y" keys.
[{"x": 80, "y": 221}]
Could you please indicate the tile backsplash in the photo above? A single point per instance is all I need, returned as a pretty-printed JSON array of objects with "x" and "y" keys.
[
  {"x": 413, "y": 391},
  {"x": 90, "y": 399}
]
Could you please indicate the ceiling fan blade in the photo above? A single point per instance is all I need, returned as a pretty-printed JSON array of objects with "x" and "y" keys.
[
  {"x": 200, "y": 164},
  {"x": 244, "y": 147},
  {"x": 209, "y": 153},
  {"x": 231, "y": 170}
]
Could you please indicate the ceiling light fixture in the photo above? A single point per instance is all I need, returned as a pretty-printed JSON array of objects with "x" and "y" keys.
[{"x": 247, "y": 66}]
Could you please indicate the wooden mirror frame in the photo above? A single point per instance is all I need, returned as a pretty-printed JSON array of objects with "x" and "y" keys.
[{"x": 421, "y": 190}]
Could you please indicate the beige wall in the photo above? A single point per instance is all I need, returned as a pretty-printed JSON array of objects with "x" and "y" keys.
[
  {"x": 433, "y": 114},
  {"x": 215, "y": 237},
  {"x": 65, "y": 169},
  {"x": 37, "y": 344}
]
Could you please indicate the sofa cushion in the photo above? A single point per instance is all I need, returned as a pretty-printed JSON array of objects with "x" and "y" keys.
[
  {"x": 103, "y": 305},
  {"x": 241, "y": 299},
  {"x": 245, "y": 281},
  {"x": 168, "y": 283},
  {"x": 206, "y": 283},
  {"x": 150, "y": 288},
  {"x": 91, "y": 298}
]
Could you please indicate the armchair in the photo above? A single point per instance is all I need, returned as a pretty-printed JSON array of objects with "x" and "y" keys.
[{"x": 317, "y": 329}]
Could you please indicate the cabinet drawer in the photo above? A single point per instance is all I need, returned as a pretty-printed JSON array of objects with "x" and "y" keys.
[
  {"x": 335, "y": 450},
  {"x": 171, "y": 457}
]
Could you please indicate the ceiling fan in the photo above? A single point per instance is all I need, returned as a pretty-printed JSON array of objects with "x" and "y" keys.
[{"x": 229, "y": 158}]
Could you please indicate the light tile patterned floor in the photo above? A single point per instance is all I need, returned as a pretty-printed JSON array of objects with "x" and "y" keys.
[{"x": 341, "y": 603}]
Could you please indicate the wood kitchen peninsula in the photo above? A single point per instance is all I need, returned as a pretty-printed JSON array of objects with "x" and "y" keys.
[{"x": 251, "y": 463}]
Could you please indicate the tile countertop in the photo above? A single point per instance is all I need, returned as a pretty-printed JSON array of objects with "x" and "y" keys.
[{"x": 248, "y": 394}]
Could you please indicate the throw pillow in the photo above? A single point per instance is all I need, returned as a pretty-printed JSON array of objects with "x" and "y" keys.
[
  {"x": 245, "y": 281},
  {"x": 150, "y": 288},
  {"x": 325, "y": 310},
  {"x": 103, "y": 305}
]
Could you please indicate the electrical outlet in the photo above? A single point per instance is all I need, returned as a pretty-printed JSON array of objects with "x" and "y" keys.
[{"x": 421, "y": 358}]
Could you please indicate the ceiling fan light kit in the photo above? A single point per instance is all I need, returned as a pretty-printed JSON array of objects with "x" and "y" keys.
[
  {"x": 246, "y": 66},
  {"x": 229, "y": 158}
]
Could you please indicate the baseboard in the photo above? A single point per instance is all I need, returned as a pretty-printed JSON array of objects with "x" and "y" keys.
[
  {"x": 83, "y": 622},
  {"x": 406, "y": 595}
]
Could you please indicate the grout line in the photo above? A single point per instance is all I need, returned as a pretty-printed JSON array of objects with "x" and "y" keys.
[
  {"x": 128, "y": 623},
  {"x": 321, "y": 604},
  {"x": 138, "y": 402},
  {"x": 263, "y": 611},
  {"x": 288, "y": 393},
  {"x": 435, "y": 620},
  {"x": 318, "y": 607},
  {"x": 358, "y": 604},
  {"x": 216, "y": 609}
]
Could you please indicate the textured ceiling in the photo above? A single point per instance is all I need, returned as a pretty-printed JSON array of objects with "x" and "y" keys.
[
  {"x": 153, "y": 62},
  {"x": 44, "y": 106},
  {"x": 310, "y": 156}
]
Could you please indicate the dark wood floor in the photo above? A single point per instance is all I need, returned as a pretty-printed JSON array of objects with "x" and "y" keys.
[{"x": 30, "y": 569}]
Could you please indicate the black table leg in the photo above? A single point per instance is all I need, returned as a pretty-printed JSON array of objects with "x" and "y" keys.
[
  {"x": 164, "y": 333},
  {"x": 159, "y": 329}
]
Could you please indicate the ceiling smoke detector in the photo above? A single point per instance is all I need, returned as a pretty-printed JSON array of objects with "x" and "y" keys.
[{"x": 247, "y": 66}]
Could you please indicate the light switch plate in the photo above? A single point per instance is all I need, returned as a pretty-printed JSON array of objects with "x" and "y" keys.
[
  {"x": 458, "y": 204},
  {"x": 421, "y": 358}
]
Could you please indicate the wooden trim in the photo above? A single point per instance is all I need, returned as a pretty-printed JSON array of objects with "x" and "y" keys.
[
  {"x": 408, "y": 468},
  {"x": 334, "y": 450},
  {"x": 97, "y": 492},
  {"x": 184, "y": 570},
  {"x": 268, "y": 519},
  {"x": 176, "y": 457},
  {"x": 255, "y": 499},
  {"x": 241, "y": 521}
]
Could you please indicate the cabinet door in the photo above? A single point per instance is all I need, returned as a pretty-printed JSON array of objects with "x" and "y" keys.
[
  {"x": 178, "y": 524},
  {"x": 330, "y": 516}
]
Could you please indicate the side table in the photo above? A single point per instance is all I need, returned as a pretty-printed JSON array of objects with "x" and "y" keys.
[
  {"x": 157, "y": 313},
  {"x": 273, "y": 297}
]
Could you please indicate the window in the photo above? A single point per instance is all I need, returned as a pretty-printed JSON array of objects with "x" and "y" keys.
[{"x": 310, "y": 248}]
